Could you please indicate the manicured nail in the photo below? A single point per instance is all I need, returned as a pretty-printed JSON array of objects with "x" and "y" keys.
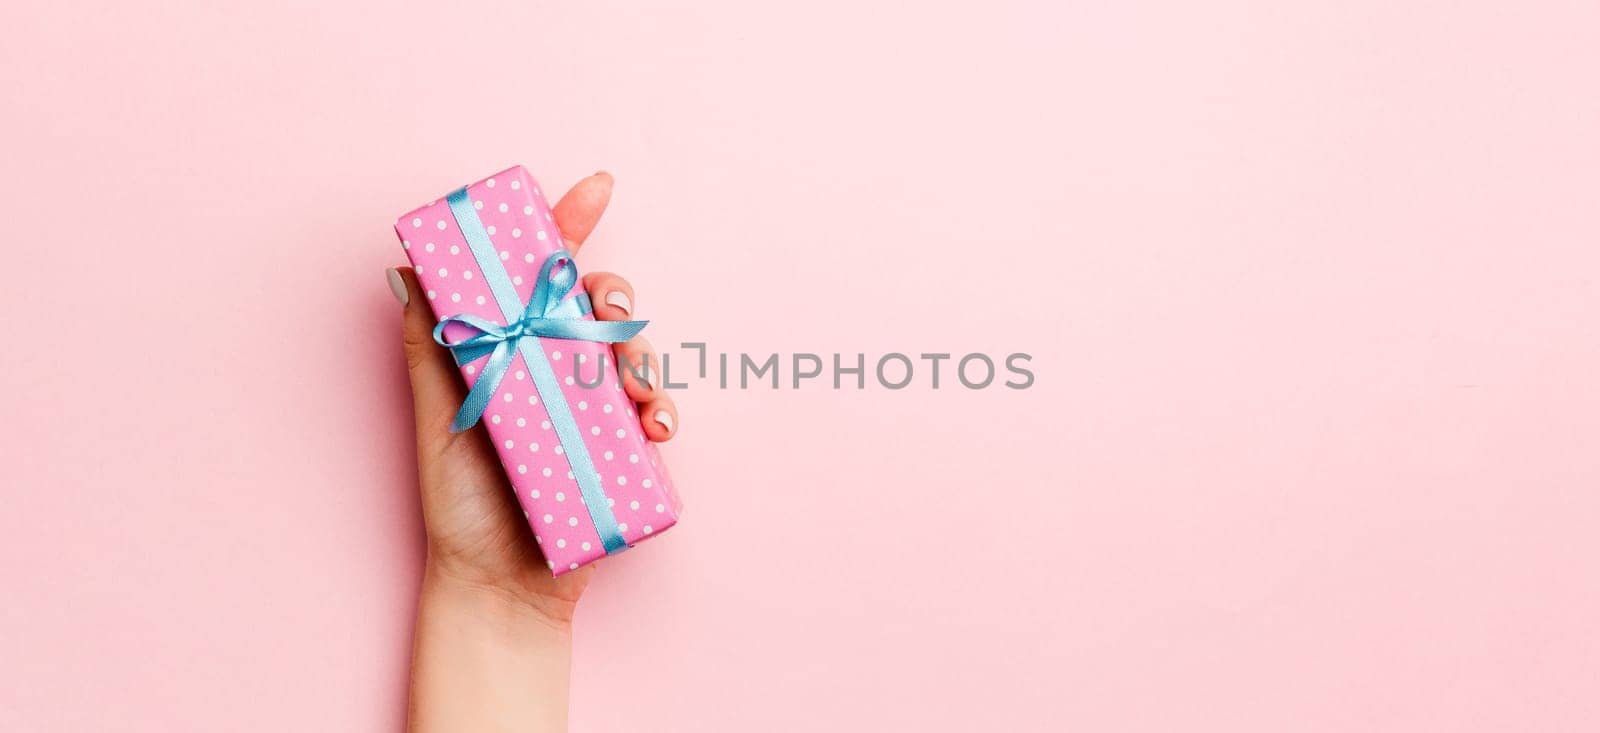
[
  {"x": 397, "y": 285},
  {"x": 665, "y": 418},
  {"x": 620, "y": 300}
]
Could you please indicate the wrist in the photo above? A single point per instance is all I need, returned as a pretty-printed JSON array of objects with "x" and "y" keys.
[
  {"x": 493, "y": 606},
  {"x": 487, "y": 659}
]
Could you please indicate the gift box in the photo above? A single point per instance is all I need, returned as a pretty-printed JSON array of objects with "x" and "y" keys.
[{"x": 540, "y": 370}]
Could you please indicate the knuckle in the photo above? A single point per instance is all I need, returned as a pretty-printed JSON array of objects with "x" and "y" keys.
[{"x": 416, "y": 346}]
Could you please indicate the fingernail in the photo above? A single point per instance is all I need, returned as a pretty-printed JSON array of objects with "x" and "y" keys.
[
  {"x": 397, "y": 285},
  {"x": 620, "y": 300},
  {"x": 665, "y": 418},
  {"x": 603, "y": 172}
]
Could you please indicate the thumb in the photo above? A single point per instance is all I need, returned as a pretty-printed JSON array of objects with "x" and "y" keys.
[{"x": 436, "y": 389}]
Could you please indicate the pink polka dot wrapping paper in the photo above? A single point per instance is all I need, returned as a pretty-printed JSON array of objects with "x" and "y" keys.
[{"x": 638, "y": 491}]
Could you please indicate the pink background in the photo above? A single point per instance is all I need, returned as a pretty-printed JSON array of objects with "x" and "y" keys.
[{"x": 1311, "y": 293}]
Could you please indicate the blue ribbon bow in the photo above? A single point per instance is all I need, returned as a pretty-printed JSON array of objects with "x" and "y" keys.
[{"x": 547, "y": 315}]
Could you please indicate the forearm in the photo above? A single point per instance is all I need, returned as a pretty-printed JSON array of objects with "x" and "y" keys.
[{"x": 484, "y": 661}]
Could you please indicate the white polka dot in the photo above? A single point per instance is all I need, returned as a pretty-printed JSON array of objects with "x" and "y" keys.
[
  {"x": 505, "y": 255},
  {"x": 521, "y": 374},
  {"x": 569, "y": 381},
  {"x": 477, "y": 204},
  {"x": 432, "y": 295},
  {"x": 561, "y": 496},
  {"x": 548, "y": 519},
  {"x": 586, "y": 546},
  {"x": 509, "y": 444},
  {"x": 528, "y": 257},
  {"x": 572, "y": 522},
  {"x": 428, "y": 247},
  {"x": 634, "y": 505},
  {"x": 441, "y": 225},
  {"x": 489, "y": 183},
  {"x": 569, "y": 475},
  {"x": 648, "y": 529},
  {"x": 533, "y": 399},
  {"x": 522, "y": 468},
  {"x": 606, "y": 409},
  {"x": 466, "y": 274},
  {"x": 645, "y": 483},
  {"x": 522, "y": 422},
  {"x": 533, "y": 447},
  {"x": 560, "y": 450},
  {"x": 405, "y": 244},
  {"x": 416, "y": 222},
  {"x": 527, "y": 210},
  {"x": 504, "y": 208},
  {"x": 547, "y": 472},
  {"x": 573, "y": 566},
  {"x": 633, "y": 457},
  {"x": 661, "y": 508},
  {"x": 472, "y": 369},
  {"x": 455, "y": 297},
  {"x": 594, "y": 430},
  {"x": 609, "y": 455},
  {"x": 517, "y": 280},
  {"x": 534, "y": 493},
  {"x": 544, "y": 424},
  {"x": 489, "y": 229},
  {"x": 443, "y": 272},
  {"x": 582, "y": 404},
  {"x": 541, "y": 236},
  {"x": 508, "y": 397},
  {"x": 494, "y": 419},
  {"x": 622, "y": 526},
  {"x": 481, "y": 301},
  {"x": 611, "y": 502},
  {"x": 515, "y": 184},
  {"x": 555, "y": 355},
  {"x": 515, "y": 233},
  {"x": 561, "y": 543},
  {"x": 455, "y": 250},
  {"x": 623, "y": 481},
  {"x": 551, "y": 563},
  {"x": 622, "y": 433}
]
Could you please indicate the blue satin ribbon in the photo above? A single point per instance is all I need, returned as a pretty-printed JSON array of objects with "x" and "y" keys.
[{"x": 549, "y": 313}]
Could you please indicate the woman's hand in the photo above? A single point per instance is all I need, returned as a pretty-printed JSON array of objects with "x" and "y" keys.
[{"x": 493, "y": 626}]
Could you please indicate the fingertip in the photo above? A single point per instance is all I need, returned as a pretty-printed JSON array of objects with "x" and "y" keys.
[
  {"x": 397, "y": 286},
  {"x": 611, "y": 296},
  {"x": 659, "y": 419},
  {"x": 414, "y": 298},
  {"x": 579, "y": 210}
]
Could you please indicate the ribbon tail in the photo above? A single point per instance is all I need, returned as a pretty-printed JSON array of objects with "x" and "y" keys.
[
  {"x": 602, "y": 331},
  {"x": 483, "y": 390}
]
